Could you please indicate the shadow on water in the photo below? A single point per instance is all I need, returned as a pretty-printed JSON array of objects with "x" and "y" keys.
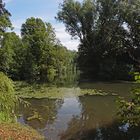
[
  {"x": 97, "y": 121},
  {"x": 112, "y": 131}
]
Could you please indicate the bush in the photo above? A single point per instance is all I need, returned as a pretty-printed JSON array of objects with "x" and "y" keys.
[
  {"x": 7, "y": 99},
  {"x": 129, "y": 111}
]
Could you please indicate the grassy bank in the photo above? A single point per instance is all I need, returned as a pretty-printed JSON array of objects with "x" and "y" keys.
[
  {"x": 12, "y": 131},
  {"x": 25, "y": 90}
]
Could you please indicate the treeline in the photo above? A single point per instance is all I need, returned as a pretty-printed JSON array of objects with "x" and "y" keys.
[
  {"x": 36, "y": 56},
  {"x": 109, "y": 34}
]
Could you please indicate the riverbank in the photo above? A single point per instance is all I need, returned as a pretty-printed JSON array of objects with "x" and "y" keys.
[
  {"x": 15, "y": 131},
  {"x": 25, "y": 90}
]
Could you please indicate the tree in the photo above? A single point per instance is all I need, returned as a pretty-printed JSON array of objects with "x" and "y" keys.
[
  {"x": 131, "y": 15},
  {"x": 34, "y": 35},
  {"x": 4, "y": 20},
  {"x": 100, "y": 27},
  {"x": 11, "y": 55},
  {"x": 46, "y": 60},
  {"x": 10, "y": 46},
  {"x": 129, "y": 111},
  {"x": 7, "y": 99}
]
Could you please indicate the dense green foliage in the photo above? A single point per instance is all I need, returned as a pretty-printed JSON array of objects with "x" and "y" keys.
[
  {"x": 45, "y": 58},
  {"x": 4, "y": 19},
  {"x": 109, "y": 36},
  {"x": 109, "y": 43},
  {"x": 7, "y": 99},
  {"x": 37, "y": 56},
  {"x": 129, "y": 111},
  {"x": 11, "y": 55}
]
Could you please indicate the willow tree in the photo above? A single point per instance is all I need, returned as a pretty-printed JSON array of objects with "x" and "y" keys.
[
  {"x": 7, "y": 99},
  {"x": 130, "y": 13},
  {"x": 100, "y": 27}
]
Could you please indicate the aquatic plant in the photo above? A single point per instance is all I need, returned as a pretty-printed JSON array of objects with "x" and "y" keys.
[{"x": 25, "y": 90}]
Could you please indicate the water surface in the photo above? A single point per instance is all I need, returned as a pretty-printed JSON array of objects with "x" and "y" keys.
[{"x": 80, "y": 118}]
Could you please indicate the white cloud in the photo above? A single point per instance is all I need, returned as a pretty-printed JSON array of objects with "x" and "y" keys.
[
  {"x": 65, "y": 38},
  {"x": 17, "y": 25},
  {"x": 7, "y": 1},
  {"x": 61, "y": 34}
]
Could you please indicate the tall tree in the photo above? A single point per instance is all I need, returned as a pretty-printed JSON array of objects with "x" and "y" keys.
[
  {"x": 40, "y": 40},
  {"x": 101, "y": 29},
  {"x": 4, "y": 19},
  {"x": 130, "y": 13},
  {"x": 46, "y": 60},
  {"x": 33, "y": 34},
  {"x": 11, "y": 55}
]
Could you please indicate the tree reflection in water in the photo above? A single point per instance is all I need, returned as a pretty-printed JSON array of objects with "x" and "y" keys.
[
  {"x": 83, "y": 118},
  {"x": 40, "y": 112},
  {"x": 113, "y": 131},
  {"x": 98, "y": 125}
]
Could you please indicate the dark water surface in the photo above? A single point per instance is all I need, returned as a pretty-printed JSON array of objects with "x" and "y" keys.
[{"x": 80, "y": 118}]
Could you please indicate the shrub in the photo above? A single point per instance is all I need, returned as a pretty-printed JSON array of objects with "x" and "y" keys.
[
  {"x": 129, "y": 111},
  {"x": 7, "y": 99}
]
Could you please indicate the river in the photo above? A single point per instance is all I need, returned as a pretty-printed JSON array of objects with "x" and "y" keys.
[{"x": 80, "y": 118}]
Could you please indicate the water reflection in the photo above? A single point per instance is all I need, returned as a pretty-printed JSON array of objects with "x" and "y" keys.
[
  {"x": 60, "y": 118},
  {"x": 83, "y": 118},
  {"x": 106, "y": 132},
  {"x": 95, "y": 112},
  {"x": 39, "y": 112},
  {"x": 69, "y": 109}
]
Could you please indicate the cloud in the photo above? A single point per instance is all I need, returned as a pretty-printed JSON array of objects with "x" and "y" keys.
[
  {"x": 17, "y": 25},
  {"x": 7, "y": 1},
  {"x": 61, "y": 34},
  {"x": 46, "y": 10},
  {"x": 65, "y": 38}
]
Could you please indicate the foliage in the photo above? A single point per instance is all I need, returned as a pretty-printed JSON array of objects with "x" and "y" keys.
[
  {"x": 45, "y": 58},
  {"x": 12, "y": 55},
  {"x": 7, "y": 99},
  {"x": 108, "y": 34},
  {"x": 51, "y": 72},
  {"x": 4, "y": 20},
  {"x": 129, "y": 111},
  {"x": 38, "y": 56}
]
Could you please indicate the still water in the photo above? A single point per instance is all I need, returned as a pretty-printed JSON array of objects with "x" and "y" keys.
[{"x": 80, "y": 118}]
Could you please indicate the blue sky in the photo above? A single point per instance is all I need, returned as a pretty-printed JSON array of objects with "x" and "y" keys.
[{"x": 44, "y": 9}]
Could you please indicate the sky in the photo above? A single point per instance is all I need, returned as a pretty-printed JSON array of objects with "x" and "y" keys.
[{"x": 44, "y": 9}]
